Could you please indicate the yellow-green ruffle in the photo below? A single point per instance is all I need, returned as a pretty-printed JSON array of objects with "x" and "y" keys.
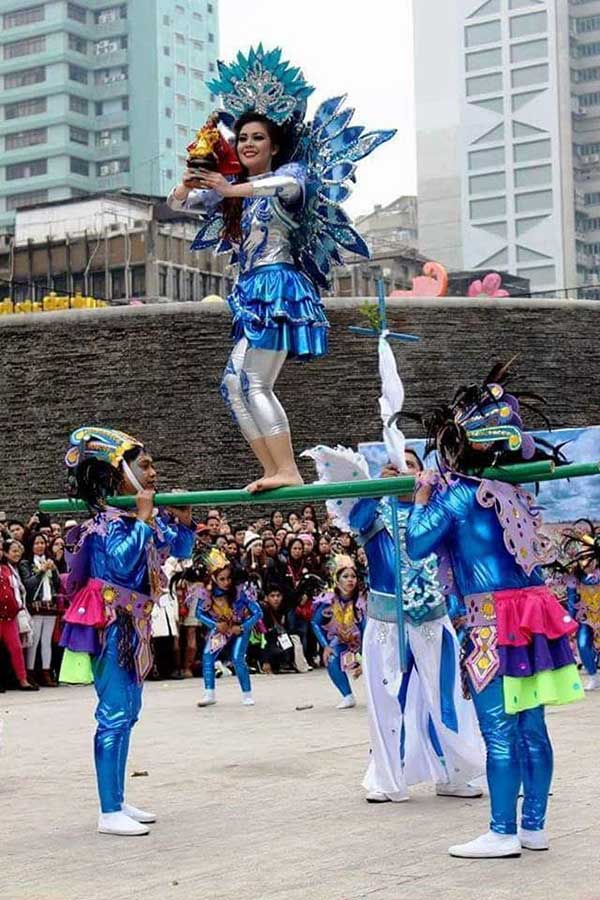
[
  {"x": 76, "y": 668},
  {"x": 552, "y": 687}
]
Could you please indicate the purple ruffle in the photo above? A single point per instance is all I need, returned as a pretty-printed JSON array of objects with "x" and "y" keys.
[
  {"x": 80, "y": 639},
  {"x": 538, "y": 656}
]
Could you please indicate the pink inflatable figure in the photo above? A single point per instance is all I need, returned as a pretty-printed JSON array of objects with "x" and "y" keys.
[{"x": 490, "y": 286}]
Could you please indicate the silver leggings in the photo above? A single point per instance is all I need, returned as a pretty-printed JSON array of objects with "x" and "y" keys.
[{"x": 247, "y": 388}]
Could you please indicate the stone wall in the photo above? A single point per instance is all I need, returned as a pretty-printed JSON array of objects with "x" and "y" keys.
[{"x": 154, "y": 371}]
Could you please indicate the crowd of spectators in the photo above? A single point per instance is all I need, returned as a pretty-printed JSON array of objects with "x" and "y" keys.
[{"x": 287, "y": 557}]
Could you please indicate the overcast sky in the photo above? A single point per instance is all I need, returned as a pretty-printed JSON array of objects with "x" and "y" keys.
[{"x": 360, "y": 48}]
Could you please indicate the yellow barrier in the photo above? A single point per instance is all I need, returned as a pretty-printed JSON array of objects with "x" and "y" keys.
[{"x": 51, "y": 302}]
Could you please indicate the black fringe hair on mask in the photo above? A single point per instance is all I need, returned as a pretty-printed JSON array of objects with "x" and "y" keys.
[{"x": 450, "y": 440}]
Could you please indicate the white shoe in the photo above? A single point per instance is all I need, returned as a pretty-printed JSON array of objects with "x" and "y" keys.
[
  {"x": 488, "y": 846},
  {"x": 347, "y": 702},
  {"x": 121, "y": 824},
  {"x": 534, "y": 840},
  {"x": 377, "y": 797},
  {"x": 247, "y": 699},
  {"x": 592, "y": 683},
  {"x": 139, "y": 815},
  {"x": 452, "y": 789},
  {"x": 209, "y": 699}
]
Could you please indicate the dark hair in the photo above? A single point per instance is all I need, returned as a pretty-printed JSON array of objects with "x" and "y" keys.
[
  {"x": 416, "y": 456},
  {"x": 15, "y": 522},
  {"x": 313, "y": 511},
  {"x": 273, "y": 514},
  {"x": 296, "y": 540},
  {"x": 232, "y": 206},
  {"x": 94, "y": 480},
  {"x": 6, "y": 545},
  {"x": 355, "y": 592},
  {"x": 449, "y": 439},
  {"x": 579, "y": 553},
  {"x": 31, "y": 541}
]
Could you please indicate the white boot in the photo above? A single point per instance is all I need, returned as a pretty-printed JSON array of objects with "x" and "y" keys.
[
  {"x": 534, "y": 840},
  {"x": 139, "y": 815},
  {"x": 592, "y": 683},
  {"x": 488, "y": 846},
  {"x": 247, "y": 698},
  {"x": 208, "y": 700},
  {"x": 347, "y": 702},
  {"x": 457, "y": 789},
  {"x": 121, "y": 824}
]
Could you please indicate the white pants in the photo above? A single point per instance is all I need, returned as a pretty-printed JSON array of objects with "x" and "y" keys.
[
  {"x": 404, "y": 708},
  {"x": 43, "y": 628}
]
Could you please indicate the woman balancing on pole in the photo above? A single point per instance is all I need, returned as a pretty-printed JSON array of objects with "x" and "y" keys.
[{"x": 280, "y": 216}]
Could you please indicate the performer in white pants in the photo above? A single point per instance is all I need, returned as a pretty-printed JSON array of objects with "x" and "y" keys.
[{"x": 421, "y": 727}]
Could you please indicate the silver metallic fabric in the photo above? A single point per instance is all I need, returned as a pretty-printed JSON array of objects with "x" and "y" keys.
[{"x": 247, "y": 388}]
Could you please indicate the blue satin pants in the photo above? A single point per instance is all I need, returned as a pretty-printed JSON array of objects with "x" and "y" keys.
[
  {"x": 119, "y": 705},
  {"x": 585, "y": 645},
  {"x": 336, "y": 673},
  {"x": 239, "y": 645},
  {"x": 518, "y": 751}
]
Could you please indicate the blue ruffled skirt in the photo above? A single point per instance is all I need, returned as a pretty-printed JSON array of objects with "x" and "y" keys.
[{"x": 276, "y": 307}]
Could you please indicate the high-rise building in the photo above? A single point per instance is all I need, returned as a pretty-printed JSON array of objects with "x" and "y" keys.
[
  {"x": 508, "y": 130},
  {"x": 100, "y": 95}
]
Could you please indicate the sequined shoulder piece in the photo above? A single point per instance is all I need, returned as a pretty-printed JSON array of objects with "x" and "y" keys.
[{"x": 520, "y": 521}]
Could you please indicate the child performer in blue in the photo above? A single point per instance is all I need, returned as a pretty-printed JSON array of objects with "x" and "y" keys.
[
  {"x": 230, "y": 612},
  {"x": 582, "y": 549},
  {"x": 519, "y": 656},
  {"x": 115, "y": 577},
  {"x": 338, "y": 622}
]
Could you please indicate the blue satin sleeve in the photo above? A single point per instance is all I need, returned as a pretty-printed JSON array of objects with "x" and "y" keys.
[
  {"x": 428, "y": 526},
  {"x": 363, "y": 515},
  {"x": 456, "y": 605},
  {"x": 204, "y": 616},
  {"x": 255, "y": 615},
  {"x": 126, "y": 547},
  {"x": 379, "y": 548},
  {"x": 572, "y": 598},
  {"x": 178, "y": 537},
  {"x": 317, "y": 621}
]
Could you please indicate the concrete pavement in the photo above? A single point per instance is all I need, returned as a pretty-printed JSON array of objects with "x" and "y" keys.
[{"x": 265, "y": 803}]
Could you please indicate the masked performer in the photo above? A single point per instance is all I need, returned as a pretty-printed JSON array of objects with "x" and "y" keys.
[
  {"x": 421, "y": 727},
  {"x": 519, "y": 655},
  {"x": 582, "y": 548},
  {"x": 115, "y": 566},
  {"x": 338, "y": 622},
  {"x": 230, "y": 611},
  {"x": 282, "y": 219}
]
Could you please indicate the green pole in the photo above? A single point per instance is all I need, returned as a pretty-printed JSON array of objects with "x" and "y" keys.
[{"x": 383, "y": 487}]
